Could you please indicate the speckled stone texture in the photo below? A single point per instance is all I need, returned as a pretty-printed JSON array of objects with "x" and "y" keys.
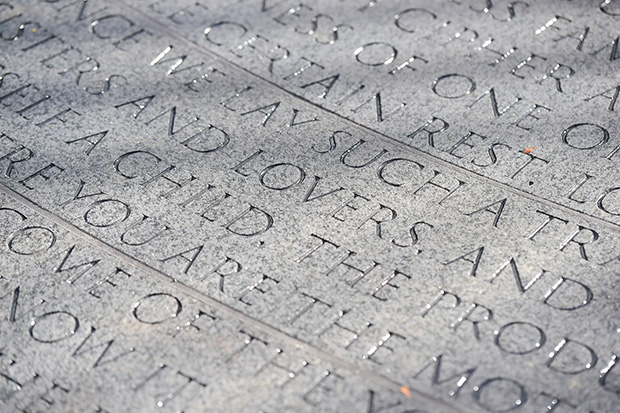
[{"x": 329, "y": 206}]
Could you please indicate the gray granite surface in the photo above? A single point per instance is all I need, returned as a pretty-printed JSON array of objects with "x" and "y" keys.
[{"x": 328, "y": 206}]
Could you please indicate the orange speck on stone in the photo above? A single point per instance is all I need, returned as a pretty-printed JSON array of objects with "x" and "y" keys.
[
  {"x": 405, "y": 390},
  {"x": 529, "y": 150}
]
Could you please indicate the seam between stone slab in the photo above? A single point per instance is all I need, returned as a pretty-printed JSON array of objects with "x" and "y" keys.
[
  {"x": 224, "y": 308},
  {"x": 426, "y": 155}
]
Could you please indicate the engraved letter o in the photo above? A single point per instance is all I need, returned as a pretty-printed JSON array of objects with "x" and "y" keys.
[
  {"x": 604, "y": 135},
  {"x": 208, "y": 32},
  {"x": 31, "y": 240},
  {"x": 492, "y": 404},
  {"x": 400, "y": 15},
  {"x": 461, "y": 86},
  {"x": 108, "y": 218},
  {"x": 392, "y": 53},
  {"x": 60, "y": 325},
  {"x": 301, "y": 176},
  {"x": 160, "y": 303},
  {"x": 539, "y": 341}
]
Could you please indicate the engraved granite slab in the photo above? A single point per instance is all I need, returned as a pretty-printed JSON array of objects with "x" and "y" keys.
[{"x": 394, "y": 206}]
